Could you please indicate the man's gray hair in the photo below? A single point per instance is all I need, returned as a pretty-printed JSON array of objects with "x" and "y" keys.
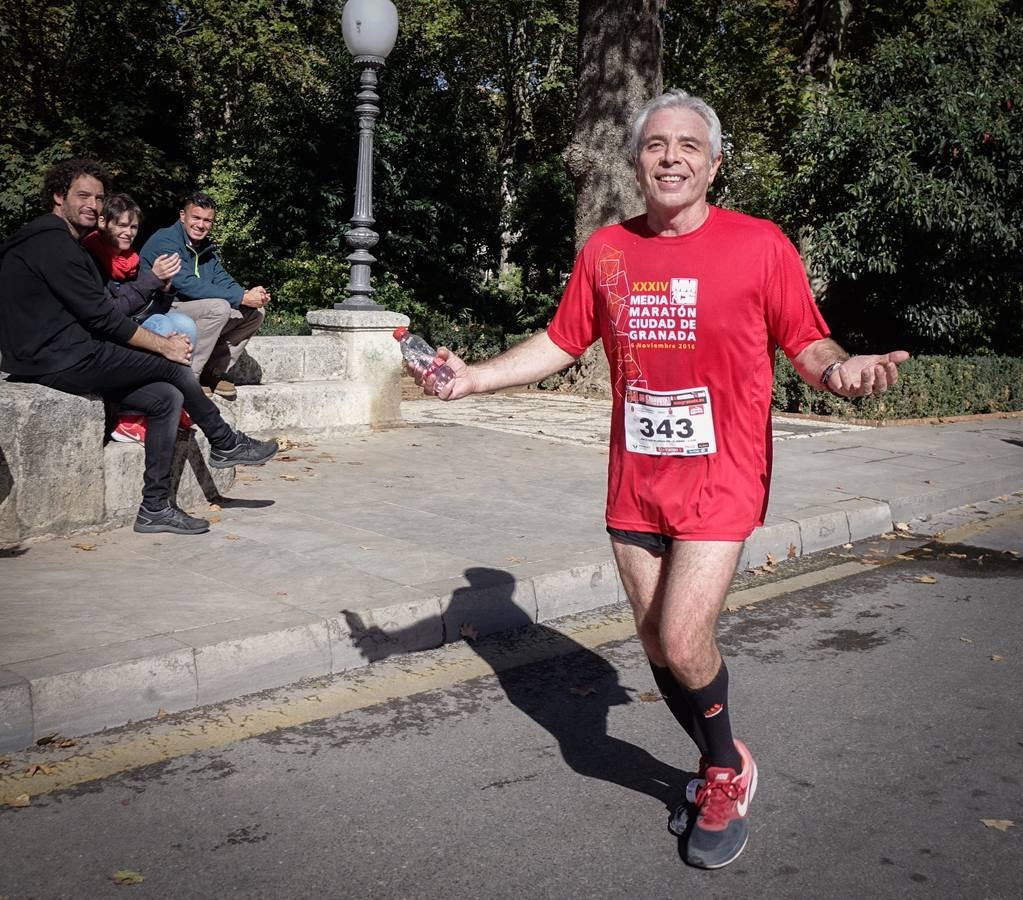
[{"x": 675, "y": 98}]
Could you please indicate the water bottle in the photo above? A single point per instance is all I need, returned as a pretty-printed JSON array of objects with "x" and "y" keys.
[{"x": 422, "y": 359}]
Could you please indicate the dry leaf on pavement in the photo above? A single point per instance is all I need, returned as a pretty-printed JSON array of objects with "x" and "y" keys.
[
  {"x": 467, "y": 631},
  {"x": 926, "y": 579},
  {"x": 995, "y": 657},
  {"x": 1000, "y": 824},
  {"x": 22, "y": 800},
  {"x": 650, "y": 697},
  {"x": 64, "y": 743},
  {"x": 232, "y": 537},
  {"x": 161, "y": 713},
  {"x": 127, "y": 876},
  {"x": 792, "y": 551},
  {"x": 902, "y": 526},
  {"x": 214, "y": 507},
  {"x": 288, "y": 477},
  {"x": 966, "y": 640},
  {"x": 847, "y": 546},
  {"x": 38, "y": 769},
  {"x": 83, "y": 545}
]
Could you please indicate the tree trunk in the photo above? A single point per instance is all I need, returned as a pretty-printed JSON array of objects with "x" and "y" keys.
[
  {"x": 823, "y": 25},
  {"x": 620, "y": 45}
]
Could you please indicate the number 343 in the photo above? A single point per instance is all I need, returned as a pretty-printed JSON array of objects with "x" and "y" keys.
[{"x": 680, "y": 428}]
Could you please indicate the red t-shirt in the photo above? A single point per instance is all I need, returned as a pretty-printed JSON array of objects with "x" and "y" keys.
[{"x": 689, "y": 325}]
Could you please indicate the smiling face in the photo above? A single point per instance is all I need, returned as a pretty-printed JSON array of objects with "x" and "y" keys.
[
  {"x": 197, "y": 222},
  {"x": 122, "y": 233},
  {"x": 674, "y": 168},
  {"x": 81, "y": 206}
]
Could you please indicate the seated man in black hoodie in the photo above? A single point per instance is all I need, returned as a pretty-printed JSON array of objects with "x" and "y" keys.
[{"x": 58, "y": 329}]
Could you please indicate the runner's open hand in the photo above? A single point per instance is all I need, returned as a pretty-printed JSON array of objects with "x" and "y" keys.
[{"x": 860, "y": 376}]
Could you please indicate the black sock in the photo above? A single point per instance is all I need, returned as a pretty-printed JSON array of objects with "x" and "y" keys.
[
  {"x": 676, "y": 698},
  {"x": 710, "y": 706}
]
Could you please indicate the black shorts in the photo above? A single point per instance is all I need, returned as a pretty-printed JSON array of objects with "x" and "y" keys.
[{"x": 653, "y": 541}]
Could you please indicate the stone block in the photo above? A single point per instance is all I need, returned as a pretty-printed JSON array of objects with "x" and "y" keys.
[
  {"x": 575, "y": 590},
  {"x": 51, "y": 462},
  {"x": 233, "y": 659},
  {"x": 867, "y": 518},
  {"x": 315, "y": 407},
  {"x": 193, "y": 482},
  {"x": 83, "y": 692},
  {"x": 493, "y": 601},
  {"x": 822, "y": 529},
  {"x": 774, "y": 537},
  {"x": 291, "y": 358},
  {"x": 16, "y": 731},
  {"x": 361, "y": 636}
]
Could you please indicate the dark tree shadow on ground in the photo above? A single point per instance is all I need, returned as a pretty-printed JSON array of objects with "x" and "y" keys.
[{"x": 569, "y": 691}]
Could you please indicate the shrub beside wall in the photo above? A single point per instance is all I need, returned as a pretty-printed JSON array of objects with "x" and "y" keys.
[{"x": 928, "y": 386}]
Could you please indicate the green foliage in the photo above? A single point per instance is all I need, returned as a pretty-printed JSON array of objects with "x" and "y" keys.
[
  {"x": 909, "y": 184},
  {"x": 928, "y": 386}
]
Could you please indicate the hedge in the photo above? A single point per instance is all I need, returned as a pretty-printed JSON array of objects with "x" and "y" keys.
[{"x": 929, "y": 386}]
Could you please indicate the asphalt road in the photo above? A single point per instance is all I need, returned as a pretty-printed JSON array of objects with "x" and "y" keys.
[{"x": 883, "y": 708}]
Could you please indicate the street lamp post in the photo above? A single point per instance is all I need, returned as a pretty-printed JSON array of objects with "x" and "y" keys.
[{"x": 370, "y": 29}]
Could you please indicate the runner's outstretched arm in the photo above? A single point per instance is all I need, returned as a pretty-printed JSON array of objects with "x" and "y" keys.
[
  {"x": 531, "y": 361},
  {"x": 824, "y": 364}
]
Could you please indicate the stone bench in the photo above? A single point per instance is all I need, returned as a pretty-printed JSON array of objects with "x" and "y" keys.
[{"x": 60, "y": 475}]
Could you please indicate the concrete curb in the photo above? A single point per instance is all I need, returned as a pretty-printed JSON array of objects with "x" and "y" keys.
[{"x": 83, "y": 693}]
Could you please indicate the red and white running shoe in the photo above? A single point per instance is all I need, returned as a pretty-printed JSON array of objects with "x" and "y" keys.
[
  {"x": 130, "y": 429},
  {"x": 721, "y": 829}
]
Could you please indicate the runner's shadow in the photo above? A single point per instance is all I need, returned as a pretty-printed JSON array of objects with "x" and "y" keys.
[{"x": 560, "y": 684}]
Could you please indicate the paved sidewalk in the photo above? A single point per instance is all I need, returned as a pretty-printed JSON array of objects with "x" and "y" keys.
[{"x": 408, "y": 535}]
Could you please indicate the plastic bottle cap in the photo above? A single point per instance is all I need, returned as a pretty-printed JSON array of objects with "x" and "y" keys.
[{"x": 400, "y": 332}]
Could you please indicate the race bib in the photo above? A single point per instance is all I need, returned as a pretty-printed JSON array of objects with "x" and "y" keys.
[{"x": 669, "y": 423}]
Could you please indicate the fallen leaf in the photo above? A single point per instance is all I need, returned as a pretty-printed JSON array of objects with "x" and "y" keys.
[
  {"x": 888, "y": 536},
  {"x": 288, "y": 477},
  {"x": 286, "y": 459},
  {"x": 926, "y": 579},
  {"x": 514, "y": 559},
  {"x": 64, "y": 743},
  {"x": 792, "y": 551},
  {"x": 215, "y": 507},
  {"x": 20, "y": 801},
  {"x": 467, "y": 631},
  {"x": 161, "y": 713},
  {"x": 1003, "y": 499},
  {"x": 84, "y": 545},
  {"x": 650, "y": 697},
  {"x": 902, "y": 526},
  {"x": 214, "y": 520},
  {"x": 771, "y": 561},
  {"x": 847, "y": 546},
  {"x": 903, "y": 556},
  {"x": 38, "y": 769},
  {"x": 1000, "y": 824},
  {"x": 966, "y": 640},
  {"x": 995, "y": 657},
  {"x": 582, "y": 690},
  {"x": 127, "y": 876},
  {"x": 232, "y": 537},
  {"x": 957, "y": 555},
  {"x": 47, "y": 739}
]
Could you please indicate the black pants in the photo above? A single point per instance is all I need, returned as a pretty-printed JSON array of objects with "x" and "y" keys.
[{"x": 154, "y": 386}]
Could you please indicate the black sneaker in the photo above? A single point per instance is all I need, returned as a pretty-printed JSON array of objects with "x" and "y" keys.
[
  {"x": 246, "y": 452},
  {"x": 171, "y": 520}
]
